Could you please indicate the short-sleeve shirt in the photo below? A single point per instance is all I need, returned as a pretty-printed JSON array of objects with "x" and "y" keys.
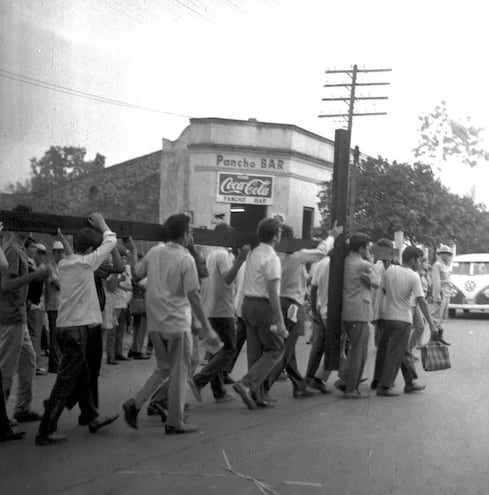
[
  {"x": 13, "y": 302},
  {"x": 320, "y": 278},
  {"x": 172, "y": 274},
  {"x": 217, "y": 296},
  {"x": 401, "y": 285},
  {"x": 262, "y": 266}
]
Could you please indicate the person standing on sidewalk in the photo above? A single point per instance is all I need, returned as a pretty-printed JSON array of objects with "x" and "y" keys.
[
  {"x": 172, "y": 293},
  {"x": 218, "y": 301},
  {"x": 402, "y": 284},
  {"x": 79, "y": 309},
  {"x": 262, "y": 314},
  {"x": 359, "y": 279}
]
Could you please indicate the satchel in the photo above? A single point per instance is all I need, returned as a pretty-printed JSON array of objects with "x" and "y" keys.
[{"x": 435, "y": 357}]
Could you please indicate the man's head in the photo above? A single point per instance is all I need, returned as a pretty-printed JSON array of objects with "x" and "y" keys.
[
  {"x": 86, "y": 240},
  {"x": 41, "y": 252},
  {"x": 58, "y": 251},
  {"x": 411, "y": 257},
  {"x": 269, "y": 230},
  {"x": 31, "y": 247},
  {"x": 360, "y": 243},
  {"x": 223, "y": 227},
  {"x": 178, "y": 228},
  {"x": 287, "y": 231},
  {"x": 445, "y": 253}
]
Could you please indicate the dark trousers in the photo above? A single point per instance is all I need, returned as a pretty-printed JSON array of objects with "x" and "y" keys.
[
  {"x": 357, "y": 333},
  {"x": 72, "y": 381},
  {"x": 288, "y": 361},
  {"x": 240, "y": 340},
  {"x": 94, "y": 353},
  {"x": 395, "y": 340},
  {"x": 219, "y": 362},
  {"x": 265, "y": 349},
  {"x": 4, "y": 422},
  {"x": 54, "y": 352},
  {"x": 317, "y": 347}
]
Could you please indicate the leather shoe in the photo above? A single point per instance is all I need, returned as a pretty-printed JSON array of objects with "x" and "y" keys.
[
  {"x": 386, "y": 392},
  {"x": 224, "y": 399},
  {"x": 11, "y": 435},
  {"x": 112, "y": 361},
  {"x": 264, "y": 403},
  {"x": 182, "y": 428},
  {"x": 140, "y": 355},
  {"x": 340, "y": 385},
  {"x": 413, "y": 387},
  {"x": 51, "y": 439},
  {"x": 317, "y": 384},
  {"x": 120, "y": 357},
  {"x": 228, "y": 380},
  {"x": 27, "y": 416},
  {"x": 302, "y": 394},
  {"x": 131, "y": 413},
  {"x": 245, "y": 394},
  {"x": 98, "y": 423}
]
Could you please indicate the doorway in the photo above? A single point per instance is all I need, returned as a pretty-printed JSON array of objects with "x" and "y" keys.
[
  {"x": 245, "y": 218},
  {"x": 307, "y": 222}
]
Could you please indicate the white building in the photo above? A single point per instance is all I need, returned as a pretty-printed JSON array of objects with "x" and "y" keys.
[{"x": 245, "y": 171}]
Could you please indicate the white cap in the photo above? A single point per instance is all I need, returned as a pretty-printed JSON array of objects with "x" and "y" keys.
[
  {"x": 40, "y": 247},
  {"x": 58, "y": 245}
]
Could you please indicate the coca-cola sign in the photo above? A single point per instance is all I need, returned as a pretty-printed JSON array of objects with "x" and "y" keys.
[{"x": 245, "y": 188}]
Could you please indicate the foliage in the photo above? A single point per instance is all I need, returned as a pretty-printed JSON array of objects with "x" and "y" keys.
[
  {"x": 441, "y": 136},
  {"x": 393, "y": 197}
]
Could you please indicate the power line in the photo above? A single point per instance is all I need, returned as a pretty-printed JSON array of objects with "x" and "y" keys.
[{"x": 82, "y": 94}]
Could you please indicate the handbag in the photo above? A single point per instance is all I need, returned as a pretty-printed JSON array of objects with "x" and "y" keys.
[{"x": 435, "y": 356}]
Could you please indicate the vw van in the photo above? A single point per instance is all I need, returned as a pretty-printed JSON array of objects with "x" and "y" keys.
[{"x": 469, "y": 283}]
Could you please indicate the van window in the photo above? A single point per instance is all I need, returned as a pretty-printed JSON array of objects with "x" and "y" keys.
[{"x": 470, "y": 268}]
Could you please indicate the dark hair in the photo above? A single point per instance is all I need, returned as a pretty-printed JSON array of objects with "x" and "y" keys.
[
  {"x": 411, "y": 252},
  {"x": 177, "y": 226},
  {"x": 22, "y": 208},
  {"x": 287, "y": 231},
  {"x": 86, "y": 238},
  {"x": 29, "y": 241},
  {"x": 267, "y": 229},
  {"x": 359, "y": 240}
]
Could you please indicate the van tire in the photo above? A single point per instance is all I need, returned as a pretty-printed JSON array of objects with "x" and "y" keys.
[{"x": 452, "y": 313}]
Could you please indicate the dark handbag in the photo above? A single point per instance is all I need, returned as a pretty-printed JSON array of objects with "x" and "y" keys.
[
  {"x": 137, "y": 306},
  {"x": 435, "y": 356}
]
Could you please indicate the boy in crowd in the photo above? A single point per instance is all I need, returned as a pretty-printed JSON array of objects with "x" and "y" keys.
[{"x": 79, "y": 310}]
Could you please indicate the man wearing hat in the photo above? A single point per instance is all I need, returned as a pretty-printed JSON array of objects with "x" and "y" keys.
[
  {"x": 441, "y": 282},
  {"x": 52, "y": 305}
]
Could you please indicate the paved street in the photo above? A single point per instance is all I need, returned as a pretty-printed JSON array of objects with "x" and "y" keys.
[{"x": 434, "y": 442}]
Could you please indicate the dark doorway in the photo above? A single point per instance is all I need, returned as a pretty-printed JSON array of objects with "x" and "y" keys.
[
  {"x": 307, "y": 220},
  {"x": 245, "y": 218}
]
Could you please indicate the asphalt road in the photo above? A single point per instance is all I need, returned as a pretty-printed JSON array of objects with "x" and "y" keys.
[{"x": 433, "y": 442}]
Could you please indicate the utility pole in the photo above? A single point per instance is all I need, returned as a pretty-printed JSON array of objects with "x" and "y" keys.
[{"x": 354, "y": 74}]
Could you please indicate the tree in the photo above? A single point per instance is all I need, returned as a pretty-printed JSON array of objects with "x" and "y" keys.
[
  {"x": 397, "y": 196},
  {"x": 441, "y": 137},
  {"x": 59, "y": 164}
]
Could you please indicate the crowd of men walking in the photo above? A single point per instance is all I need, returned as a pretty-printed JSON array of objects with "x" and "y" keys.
[{"x": 220, "y": 301}]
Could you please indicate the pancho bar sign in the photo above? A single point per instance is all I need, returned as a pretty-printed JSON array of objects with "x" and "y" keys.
[{"x": 245, "y": 188}]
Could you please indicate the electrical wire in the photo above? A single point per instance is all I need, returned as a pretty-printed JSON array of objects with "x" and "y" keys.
[{"x": 82, "y": 94}]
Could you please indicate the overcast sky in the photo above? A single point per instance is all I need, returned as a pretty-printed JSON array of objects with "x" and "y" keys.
[{"x": 232, "y": 59}]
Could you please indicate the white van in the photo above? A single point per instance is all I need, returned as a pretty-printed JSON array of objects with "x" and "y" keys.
[{"x": 469, "y": 283}]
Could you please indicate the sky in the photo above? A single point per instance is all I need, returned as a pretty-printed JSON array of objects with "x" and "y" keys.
[{"x": 237, "y": 59}]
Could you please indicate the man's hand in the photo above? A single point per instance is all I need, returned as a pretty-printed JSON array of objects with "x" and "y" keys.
[
  {"x": 336, "y": 229},
  {"x": 97, "y": 221},
  {"x": 243, "y": 252},
  {"x": 42, "y": 273},
  {"x": 131, "y": 245},
  {"x": 279, "y": 330}
]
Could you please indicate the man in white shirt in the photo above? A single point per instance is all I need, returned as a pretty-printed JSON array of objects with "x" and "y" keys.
[
  {"x": 172, "y": 293},
  {"x": 218, "y": 301},
  {"x": 262, "y": 314},
  {"x": 402, "y": 283},
  {"x": 79, "y": 310}
]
